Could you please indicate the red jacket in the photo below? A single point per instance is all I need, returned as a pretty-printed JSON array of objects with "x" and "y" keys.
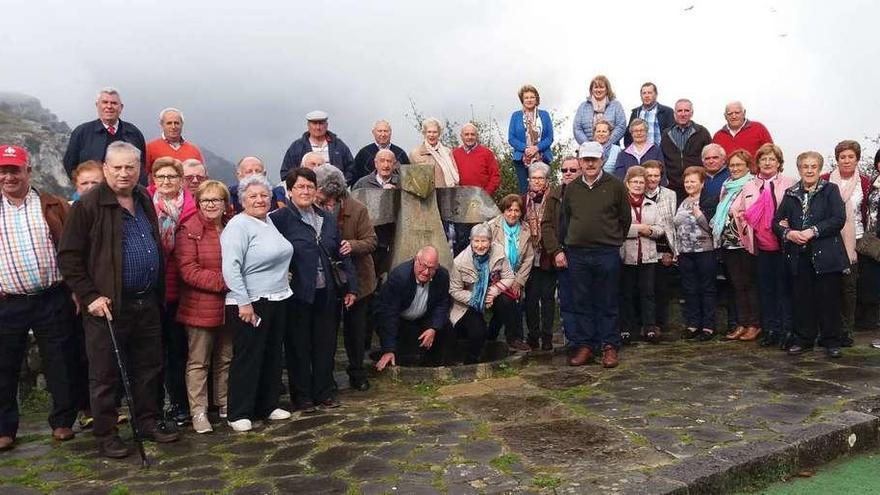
[
  {"x": 202, "y": 290},
  {"x": 477, "y": 168},
  {"x": 750, "y": 137},
  {"x": 172, "y": 290}
]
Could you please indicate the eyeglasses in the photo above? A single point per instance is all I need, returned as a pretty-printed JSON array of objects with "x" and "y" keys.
[
  {"x": 195, "y": 178},
  {"x": 425, "y": 267},
  {"x": 164, "y": 178},
  {"x": 212, "y": 201},
  {"x": 568, "y": 170}
]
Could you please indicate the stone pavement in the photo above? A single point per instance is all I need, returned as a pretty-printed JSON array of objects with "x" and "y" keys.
[{"x": 648, "y": 426}]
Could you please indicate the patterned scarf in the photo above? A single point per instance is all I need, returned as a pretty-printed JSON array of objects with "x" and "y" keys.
[
  {"x": 598, "y": 108},
  {"x": 534, "y": 129},
  {"x": 511, "y": 236},
  {"x": 635, "y": 202},
  {"x": 443, "y": 158},
  {"x": 481, "y": 286},
  {"x": 168, "y": 213},
  {"x": 534, "y": 215},
  {"x": 731, "y": 189}
]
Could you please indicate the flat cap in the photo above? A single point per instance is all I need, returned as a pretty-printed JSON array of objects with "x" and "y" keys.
[{"x": 316, "y": 115}]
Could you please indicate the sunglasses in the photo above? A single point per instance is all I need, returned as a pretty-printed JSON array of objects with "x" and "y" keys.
[{"x": 568, "y": 170}]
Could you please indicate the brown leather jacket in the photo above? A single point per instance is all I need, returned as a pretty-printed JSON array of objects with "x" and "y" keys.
[
  {"x": 55, "y": 212},
  {"x": 90, "y": 252},
  {"x": 356, "y": 228}
]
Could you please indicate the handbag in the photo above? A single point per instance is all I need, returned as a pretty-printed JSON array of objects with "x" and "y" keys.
[
  {"x": 869, "y": 245},
  {"x": 336, "y": 269}
]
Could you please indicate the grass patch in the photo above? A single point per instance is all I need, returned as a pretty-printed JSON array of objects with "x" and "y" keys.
[
  {"x": 637, "y": 439},
  {"x": 505, "y": 463},
  {"x": 482, "y": 431},
  {"x": 543, "y": 480},
  {"x": 504, "y": 370},
  {"x": 685, "y": 438},
  {"x": 578, "y": 392},
  {"x": 119, "y": 490},
  {"x": 429, "y": 390}
]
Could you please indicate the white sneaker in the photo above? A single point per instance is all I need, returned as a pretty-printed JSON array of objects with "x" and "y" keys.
[
  {"x": 279, "y": 414},
  {"x": 201, "y": 423},
  {"x": 241, "y": 425},
  {"x": 223, "y": 412}
]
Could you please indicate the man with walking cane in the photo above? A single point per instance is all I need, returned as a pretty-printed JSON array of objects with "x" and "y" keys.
[{"x": 110, "y": 255}]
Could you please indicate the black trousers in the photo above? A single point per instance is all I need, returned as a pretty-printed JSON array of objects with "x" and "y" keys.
[
  {"x": 741, "y": 267},
  {"x": 51, "y": 316},
  {"x": 255, "y": 371},
  {"x": 472, "y": 327},
  {"x": 816, "y": 303},
  {"x": 310, "y": 346},
  {"x": 354, "y": 332},
  {"x": 137, "y": 325},
  {"x": 663, "y": 278},
  {"x": 506, "y": 313},
  {"x": 637, "y": 296},
  {"x": 540, "y": 303},
  {"x": 174, "y": 343},
  {"x": 409, "y": 351}
]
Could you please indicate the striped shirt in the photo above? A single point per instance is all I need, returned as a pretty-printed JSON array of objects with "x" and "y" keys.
[
  {"x": 27, "y": 254},
  {"x": 650, "y": 116}
]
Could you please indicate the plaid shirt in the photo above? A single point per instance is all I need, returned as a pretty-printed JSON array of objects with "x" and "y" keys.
[
  {"x": 27, "y": 254},
  {"x": 650, "y": 116},
  {"x": 140, "y": 253}
]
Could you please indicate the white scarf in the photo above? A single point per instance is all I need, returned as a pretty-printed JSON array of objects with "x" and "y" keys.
[{"x": 443, "y": 157}]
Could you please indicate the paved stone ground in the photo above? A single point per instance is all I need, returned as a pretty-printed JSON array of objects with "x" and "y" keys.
[{"x": 542, "y": 428}]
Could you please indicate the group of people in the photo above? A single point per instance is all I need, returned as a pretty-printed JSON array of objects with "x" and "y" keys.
[{"x": 214, "y": 290}]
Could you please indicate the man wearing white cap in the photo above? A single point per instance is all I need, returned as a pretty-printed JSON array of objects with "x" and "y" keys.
[
  {"x": 596, "y": 219},
  {"x": 319, "y": 140}
]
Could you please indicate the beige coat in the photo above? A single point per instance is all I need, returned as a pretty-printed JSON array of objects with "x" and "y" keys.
[
  {"x": 524, "y": 244},
  {"x": 464, "y": 274},
  {"x": 421, "y": 156},
  {"x": 630, "y": 249}
]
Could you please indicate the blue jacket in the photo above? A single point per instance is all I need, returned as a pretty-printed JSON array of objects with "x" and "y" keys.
[
  {"x": 516, "y": 136},
  {"x": 89, "y": 141},
  {"x": 625, "y": 160},
  {"x": 665, "y": 116},
  {"x": 827, "y": 213},
  {"x": 307, "y": 254},
  {"x": 583, "y": 121},
  {"x": 397, "y": 294},
  {"x": 340, "y": 155},
  {"x": 713, "y": 184}
]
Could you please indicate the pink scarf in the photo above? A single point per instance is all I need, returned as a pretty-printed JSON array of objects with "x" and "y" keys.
[
  {"x": 846, "y": 193},
  {"x": 760, "y": 217}
]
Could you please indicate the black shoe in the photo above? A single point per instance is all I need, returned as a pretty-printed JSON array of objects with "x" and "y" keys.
[
  {"x": 158, "y": 434},
  {"x": 690, "y": 333},
  {"x": 307, "y": 408},
  {"x": 361, "y": 385},
  {"x": 846, "y": 342},
  {"x": 833, "y": 352},
  {"x": 547, "y": 345},
  {"x": 705, "y": 336},
  {"x": 625, "y": 337},
  {"x": 113, "y": 447},
  {"x": 798, "y": 349},
  {"x": 331, "y": 403}
]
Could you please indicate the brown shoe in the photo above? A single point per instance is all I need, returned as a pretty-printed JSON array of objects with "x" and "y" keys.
[
  {"x": 736, "y": 333},
  {"x": 609, "y": 357},
  {"x": 519, "y": 345},
  {"x": 751, "y": 333},
  {"x": 6, "y": 443},
  {"x": 62, "y": 434},
  {"x": 581, "y": 356}
]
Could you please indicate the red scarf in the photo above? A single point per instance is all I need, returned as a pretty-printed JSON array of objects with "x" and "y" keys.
[{"x": 636, "y": 205}]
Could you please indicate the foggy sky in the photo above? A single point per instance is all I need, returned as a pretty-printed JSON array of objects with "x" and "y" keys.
[{"x": 246, "y": 72}]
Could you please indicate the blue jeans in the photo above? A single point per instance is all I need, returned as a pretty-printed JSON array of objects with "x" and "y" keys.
[
  {"x": 698, "y": 287},
  {"x": 522, "y": 176},
  {"x": 774, "y": 291},
  {"x": 594, "y": 280}
]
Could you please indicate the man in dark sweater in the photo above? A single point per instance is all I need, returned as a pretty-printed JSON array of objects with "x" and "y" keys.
[
  {"x": 595, "y": 218},
  {"x": 363, "y": 161},
  {"x": 682, "y": 145},
  {"x": 412, "y": 310}
]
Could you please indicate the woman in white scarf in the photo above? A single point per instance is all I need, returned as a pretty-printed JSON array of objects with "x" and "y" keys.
[{"x": 433, "y": 152}]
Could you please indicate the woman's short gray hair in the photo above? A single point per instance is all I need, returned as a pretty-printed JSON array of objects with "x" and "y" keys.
[
  {"x": 254, "y": 180},
  {"x": 637, "y": 122},
  {"x": 480, "y": 230},
  {"x": 431, "y": 121},
  {"x": 331, "y": 182},
  {"x": 540, "y": 167}
]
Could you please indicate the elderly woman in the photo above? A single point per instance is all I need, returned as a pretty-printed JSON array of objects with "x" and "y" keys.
[
  {"x": 358, "y": 242},
  {"x": 530, "y": 134},
  {"x": 600, "y": 105},
  {"x": 727, "y": 227},
  {"x": 696, "y": 258},
  {"x": 756, "y": 205},
  {"x": 174, "y": 206},
  {"x": 809, "y": 220},
  {"x": 639, "y": 256},
  {"x": 854, "y": 189},
  {"x": 540, "y": 300},
  {"x": 322, "y": 275},
  {"x": 610, "y": 151},
  {"x": 639, "y": 151},
  {"x": 200, "y": 311},
  {"x": 508, "y": 230},
  {"x": 479, "y": 275},
  {"x": 667, "y": 203},
  {"x": 255, "y": 259},
  {"x": 433, "y": 152}
]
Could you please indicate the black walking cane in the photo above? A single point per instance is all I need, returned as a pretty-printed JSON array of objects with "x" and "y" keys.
[{"x": 129, "y": 401}]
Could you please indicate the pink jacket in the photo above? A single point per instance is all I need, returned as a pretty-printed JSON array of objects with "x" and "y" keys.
[{"x": 747, "y": 197}]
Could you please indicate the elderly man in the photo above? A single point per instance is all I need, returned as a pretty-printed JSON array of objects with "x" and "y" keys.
[
  {"x": 363, "y": 161},
  {"x": 412, "y": 310},
  {"x": 111, "y": 256},
  {"x": 384, "y": 176},
  {"x": 194, "y": 173},
  {"x": 715, "y": 160},
  {"x": 319, "y": 140},
  {"x": 90, "y": 139},
  {"x": 312, "y": 160},
  {"x": 595, "y": 218},
  {"x": 659, "y": 117},
  {"x": 171, "y": 143},
  {"x": 478, "y": 167},
  {"x": 741, "y": 133},
  {"x": 33, "y": 297},
  {"x": 251, "y": 165},
  {"x": 682, "y": 145}
]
